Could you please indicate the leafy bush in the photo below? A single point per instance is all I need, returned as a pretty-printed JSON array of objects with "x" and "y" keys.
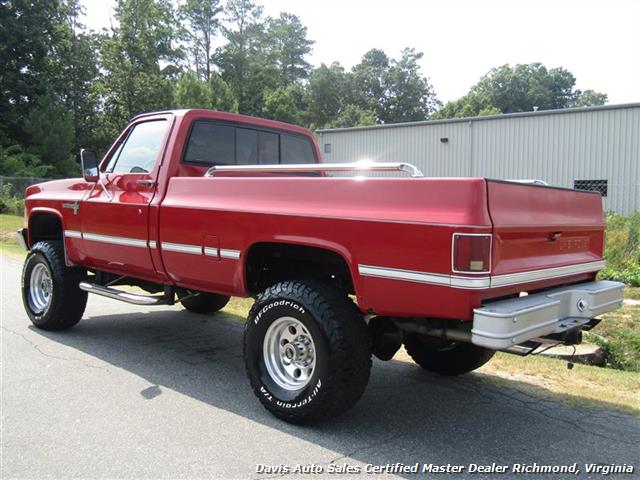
[
  {"x": 621, "y": 348},
  {"x": 10, "y": 204},
  {"x": 622, "y": 249},
  {"x": 15, "y": 161}
]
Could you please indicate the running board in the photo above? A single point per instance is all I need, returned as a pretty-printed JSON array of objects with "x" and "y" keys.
[{"x": 135, "y": 299}]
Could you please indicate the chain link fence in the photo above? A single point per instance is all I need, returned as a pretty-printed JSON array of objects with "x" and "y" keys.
[
  {"x": 12, "y": 193},
  {"x": 15, "y": 186}
]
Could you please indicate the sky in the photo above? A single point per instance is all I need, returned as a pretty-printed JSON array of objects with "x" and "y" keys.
[{"x": 598, "y": 41}]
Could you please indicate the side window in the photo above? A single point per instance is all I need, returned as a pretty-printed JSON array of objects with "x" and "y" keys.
[
  {"x": 211, "y": 143},
  {"x": 296, "y": 149},
  {"x": 268, "y": 148},
  {"x": 246, "y": 146},
  {"x": 255, "y": 147},
  {"x": 139, "y": 152}
]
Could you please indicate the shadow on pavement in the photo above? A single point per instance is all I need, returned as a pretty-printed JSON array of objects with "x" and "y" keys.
[{"x": 406, "y": 415}]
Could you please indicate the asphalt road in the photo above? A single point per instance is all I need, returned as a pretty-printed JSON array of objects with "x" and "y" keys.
[{"x": 136, "y": 392}]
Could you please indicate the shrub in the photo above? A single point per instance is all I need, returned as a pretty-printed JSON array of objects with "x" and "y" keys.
[
  {"x": 621, "y": 348},
  {"x": 622, "y": 249},
  {"x": 10, "y": 204}
]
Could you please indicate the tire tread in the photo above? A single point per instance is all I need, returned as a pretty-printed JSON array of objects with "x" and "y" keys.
[
  {"x": 69, "y": 301},
  {"x": 349, "y": 344}
]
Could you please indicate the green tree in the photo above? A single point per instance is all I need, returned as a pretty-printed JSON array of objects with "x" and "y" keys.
[
  {"x": 588, "y": 98},
  {"x": 201, "y": 18},
  {"x": 221, "y": 95},
  {"x": 51, "y": 69},
  {"x": 284, "y": 104},
  {"x": 27, "y": 32},
  {"x": 243, "y": 60},
  {"x": 76, "y": 70},
  {"x": 508, "y": 89},
  {"x": 395, "y": 90},
  {"x": 288, "y": 46},
  {"x": 369, "y": 81},
  {"x": 353, "y": 116},
  {"x": 190, "y": 92},
  {"x": 15, "y": 161},
  {"x": 139, "y": 58},
  {"x": 52, "y": 137},
  {"x": 326, "y": 95},
  {"x": 409, "y": 97}
]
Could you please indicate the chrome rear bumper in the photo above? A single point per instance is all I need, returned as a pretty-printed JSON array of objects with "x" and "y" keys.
[{"x": 505, "y": 323}]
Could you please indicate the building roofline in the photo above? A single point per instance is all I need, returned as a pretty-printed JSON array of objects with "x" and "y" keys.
[{"x": 502, "y": 116}]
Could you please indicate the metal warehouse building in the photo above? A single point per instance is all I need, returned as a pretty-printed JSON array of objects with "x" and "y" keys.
[{"x": 591, "y": 147}]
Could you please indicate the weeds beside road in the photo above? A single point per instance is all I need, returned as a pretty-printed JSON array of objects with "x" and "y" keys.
[{"x": 622, "y": 249}]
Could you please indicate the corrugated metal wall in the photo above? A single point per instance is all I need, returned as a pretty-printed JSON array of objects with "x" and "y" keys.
[{"x": 598, "y": 143}]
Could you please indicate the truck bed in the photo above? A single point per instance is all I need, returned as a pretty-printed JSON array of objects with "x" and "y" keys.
[{"x": 392, "y": 232}]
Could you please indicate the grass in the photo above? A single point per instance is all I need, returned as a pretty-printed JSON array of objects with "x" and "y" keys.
[
  {"x": 8, "y": 243},
  {"x": 535, "y": 375},
  {"x": 549, "y": 378},
  {"x": 632, "y": 293},
  {"x": 8, "y": 226},
  {"x": 619, "y": 334},
  {"x": 584, "y": 385}
]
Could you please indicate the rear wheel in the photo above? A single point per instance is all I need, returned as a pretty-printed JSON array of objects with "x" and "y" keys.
[
  {"x": 445, "y": 357},
  {"x": 307, "y": 351},
  {"x": 205, "y": 303},
  {"x": 50, "y": 291}
]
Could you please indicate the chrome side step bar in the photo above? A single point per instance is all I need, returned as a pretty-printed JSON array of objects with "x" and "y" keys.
[{"x": 133, "y": 298}]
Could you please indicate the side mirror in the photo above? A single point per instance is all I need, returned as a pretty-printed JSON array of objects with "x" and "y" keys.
[{"x": 89, "y": 162}]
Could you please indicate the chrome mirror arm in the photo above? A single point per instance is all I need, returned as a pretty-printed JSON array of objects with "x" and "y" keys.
[{"x": 104, "y": 187}]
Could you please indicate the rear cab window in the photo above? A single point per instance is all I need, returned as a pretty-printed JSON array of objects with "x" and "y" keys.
[{"x": 216, "y": 143}]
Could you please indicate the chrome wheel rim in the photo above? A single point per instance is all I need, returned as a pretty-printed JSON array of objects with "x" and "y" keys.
[
  {"x": 289, "y": 353},
  {"x": 40, "y": 288}
]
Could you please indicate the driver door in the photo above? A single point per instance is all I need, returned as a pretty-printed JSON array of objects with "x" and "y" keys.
[{"x": 115, "y": 214}]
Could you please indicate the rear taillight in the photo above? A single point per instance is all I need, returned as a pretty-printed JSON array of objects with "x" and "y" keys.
[{"x": 471, "y": 253}]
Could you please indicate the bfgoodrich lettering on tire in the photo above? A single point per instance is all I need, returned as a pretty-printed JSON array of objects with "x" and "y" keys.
[
  {"x": 307, "y": 351},
  {"x": 50, "y": 291}
]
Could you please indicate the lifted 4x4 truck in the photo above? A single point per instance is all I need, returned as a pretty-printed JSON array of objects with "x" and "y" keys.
[{"x": 195, "y": 206}]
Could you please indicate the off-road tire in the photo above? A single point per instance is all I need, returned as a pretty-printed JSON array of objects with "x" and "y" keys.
[
  {"x": 67, "y": 302},
  {"x": 205, "y": 303},
  {"x": 453, "y": 359},
  {"x": 342, "y": 350}
]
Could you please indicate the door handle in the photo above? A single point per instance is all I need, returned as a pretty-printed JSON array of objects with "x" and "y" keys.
[{"x": 146, "y": 182}]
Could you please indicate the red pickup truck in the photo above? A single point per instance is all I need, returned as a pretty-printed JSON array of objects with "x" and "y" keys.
[{"x": 195, "y": 206}]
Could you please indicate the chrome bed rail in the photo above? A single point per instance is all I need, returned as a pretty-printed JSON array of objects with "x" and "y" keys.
[
  {"x": 320, "y": 167},
  {"x": 533, "y": 181}
]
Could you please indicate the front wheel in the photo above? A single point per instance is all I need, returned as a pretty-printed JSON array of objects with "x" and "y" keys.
[
  {"x": 445, "y": 357},
  {"x": 307, "y": 351},
  {"x": 50, "y": 292}
]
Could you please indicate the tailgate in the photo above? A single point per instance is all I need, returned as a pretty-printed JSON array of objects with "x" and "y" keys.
[{"x": 538, "y": 227}]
